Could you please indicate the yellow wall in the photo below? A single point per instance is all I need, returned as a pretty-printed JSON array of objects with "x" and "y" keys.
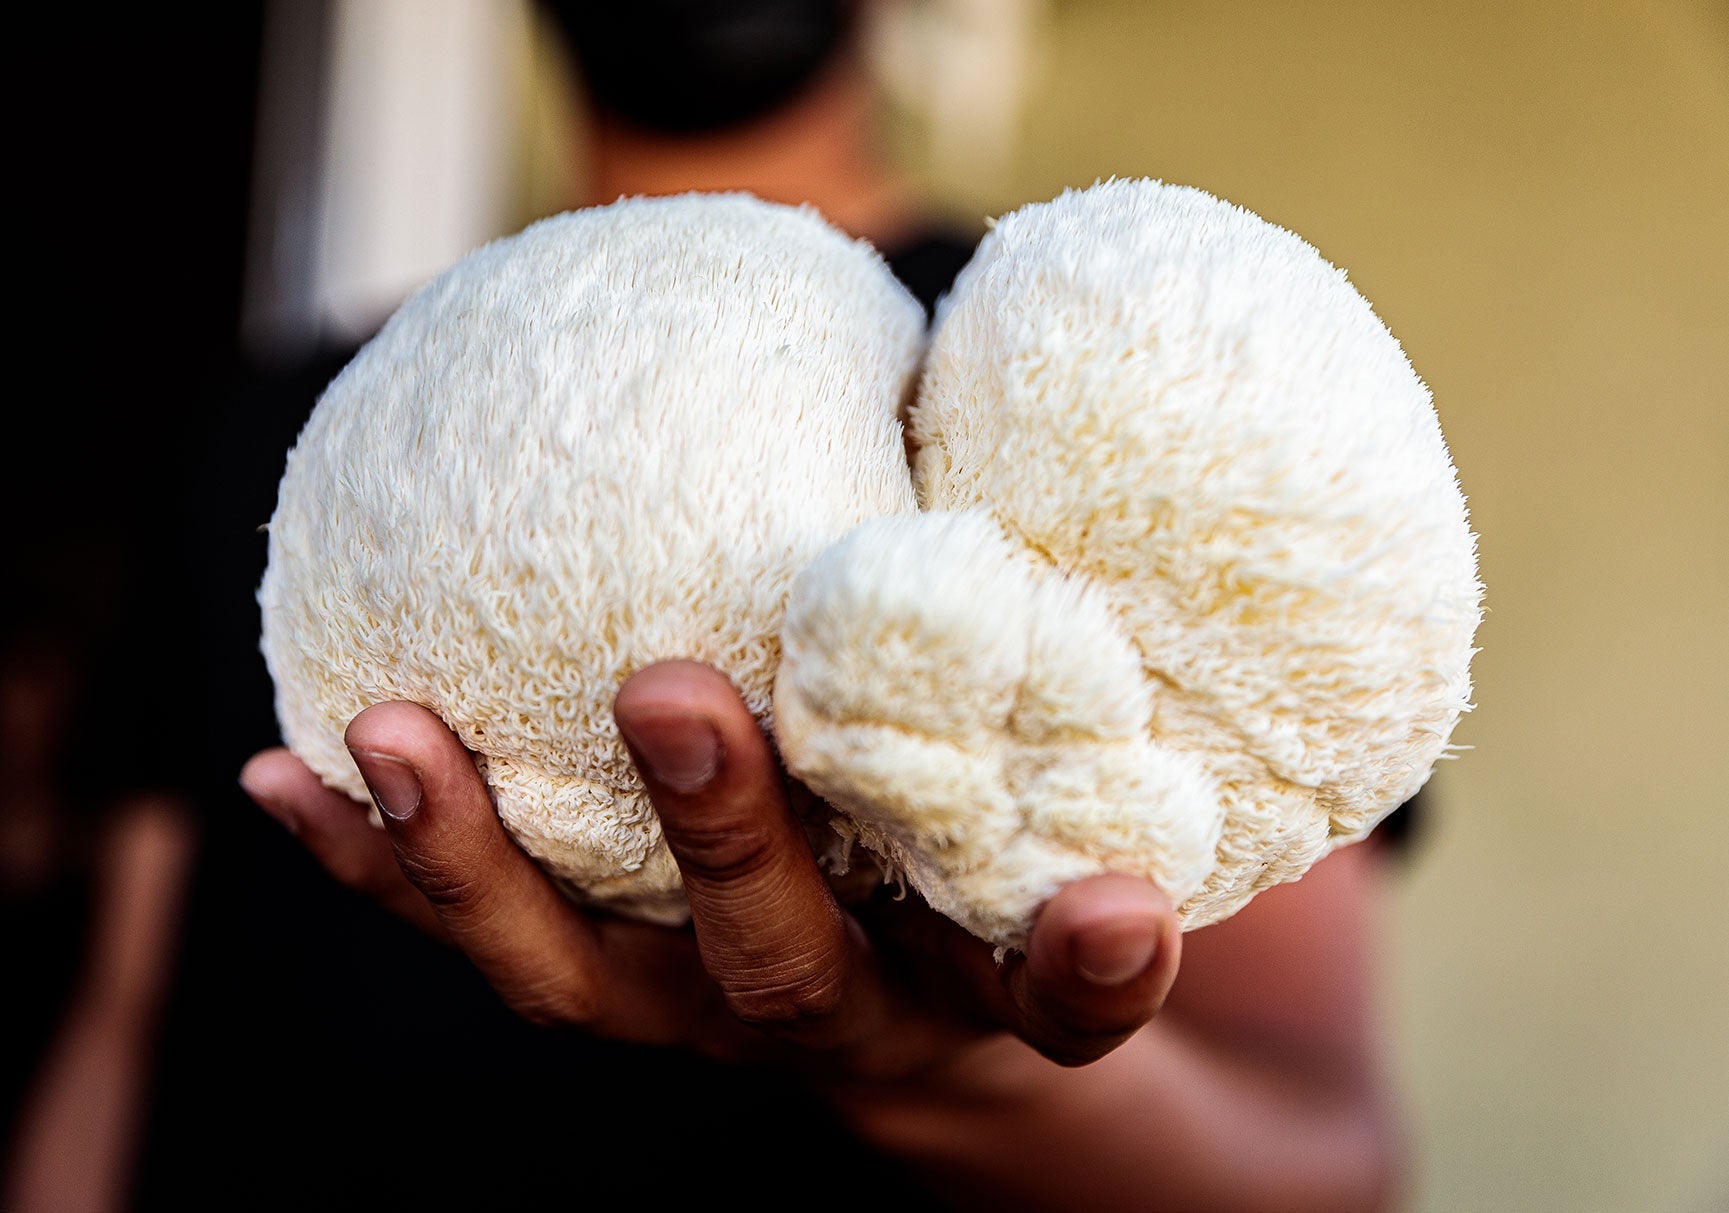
[{"x": 1535, "y": 196}]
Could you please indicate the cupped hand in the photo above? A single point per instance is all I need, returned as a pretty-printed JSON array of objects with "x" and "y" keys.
[{"x": 775, "y": 968}]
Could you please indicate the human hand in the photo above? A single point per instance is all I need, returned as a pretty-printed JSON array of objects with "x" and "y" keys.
[{"x": 775, "y": 969}]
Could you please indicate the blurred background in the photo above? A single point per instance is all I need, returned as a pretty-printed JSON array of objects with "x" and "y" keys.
[{"x": 1532, "y": 194}]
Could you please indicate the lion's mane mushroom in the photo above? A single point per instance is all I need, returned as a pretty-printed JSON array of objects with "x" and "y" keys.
[
  {"x": 1195, "y": 593},
  {"x": 609, "y": 440}
]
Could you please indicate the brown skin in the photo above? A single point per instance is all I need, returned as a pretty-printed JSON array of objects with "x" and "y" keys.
[
  {"x": 774, "y": 968},
  {"x": 822, "y": 149},
  {"x": 80, "y": 1124},
  {"x": 1259, "y": 1089}
]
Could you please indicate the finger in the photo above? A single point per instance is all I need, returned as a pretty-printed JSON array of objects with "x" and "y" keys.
[
  {"x": 1102, "y": 957},
  {"x": 770, "y": 933},
  {"x": 337, "y": 832},
  {"x": 535, "y": 948}
]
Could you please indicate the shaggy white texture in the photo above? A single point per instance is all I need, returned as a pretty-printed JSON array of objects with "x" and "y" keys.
[
  {"x": 609, "y": 440},
  {"x": 1197, "y": 595},
  {"x": 1193, "y": 596}
]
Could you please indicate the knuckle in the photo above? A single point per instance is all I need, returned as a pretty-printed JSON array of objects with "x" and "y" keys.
[
  {"x": 731, "y": 852},
  {"x": 548, "y": 1005},
  {"x": 446, "y": 886},
  {"x": 799, "y": 1002}
]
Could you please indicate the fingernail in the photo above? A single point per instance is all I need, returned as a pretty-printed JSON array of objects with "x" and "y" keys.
[
  {"x": 682, "y": 752},
  {"x": 1114, "y": 954},
  {"x": 281, "y": 812},
  {"x": 395, "y": 786}
]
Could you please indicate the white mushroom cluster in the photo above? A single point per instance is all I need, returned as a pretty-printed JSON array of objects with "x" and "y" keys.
[
  {"x": 1186, "y": 589},
  {"x": 1193, "y": 593},
  {"x": 610, "y": 440}
]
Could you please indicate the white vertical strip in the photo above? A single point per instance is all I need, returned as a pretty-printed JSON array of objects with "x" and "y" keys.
[
  {"x": 417, "y": 163},
  {"x": 963, "y": 68},
  {"x": 279, "y": 318}
]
